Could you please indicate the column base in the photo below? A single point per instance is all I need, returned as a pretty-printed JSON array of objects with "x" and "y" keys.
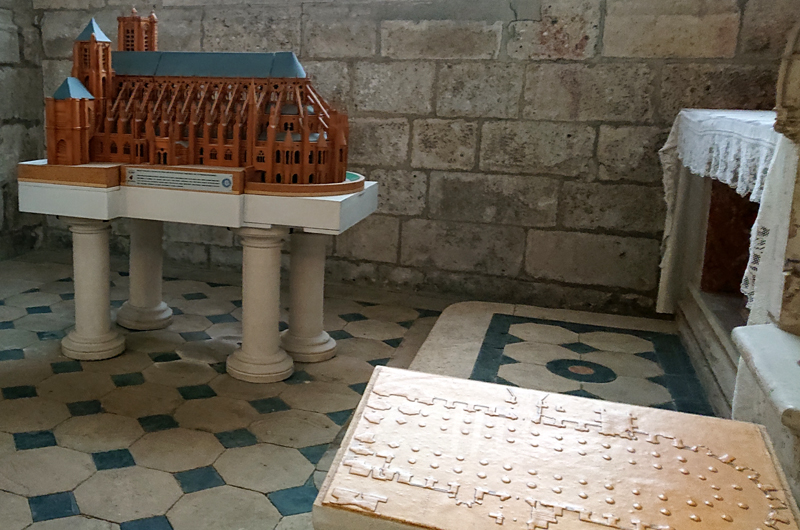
[
  {"x": 92, "y": 348},
  {"x": 144, "y": 318},
  {"x": 308, "y": 350},
  {"x": 243, "y": 370}
]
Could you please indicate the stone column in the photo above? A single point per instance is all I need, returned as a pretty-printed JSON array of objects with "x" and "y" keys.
[
  {"x": 92, "y": 338},
  {"x": 261, "y": 359},
  {"x": 305, "y": 340},
  {"x": 145, "y": 309}
]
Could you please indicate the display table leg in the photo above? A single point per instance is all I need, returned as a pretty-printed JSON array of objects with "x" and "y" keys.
[
  {"x": 145, "y": 309},
  {"x": 261, "y": 359},
  {"x": 92, "y": 338},
  {"x": 305, "y": 340}
]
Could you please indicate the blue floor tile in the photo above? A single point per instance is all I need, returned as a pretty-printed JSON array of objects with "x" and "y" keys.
[
  {"x": 65, "y": 367},
  {"x": 34, "y": 290},
  {"x": 340, "y": 417},
  {"x": 158, "y": 422},
  {"x": 236, "y": 438},
  {"x": 282, "y": 326},
  {"x": 298, "y": 377},
  {"x": 67, "y": 296},
  {"x": 67, "y": 279},
  {"x": 428, "y": 313},
  {"x": 165, "y": 357},
  {"x": 124, "y": 274},
  {"x": 220, "y": 367},
  {"x": 191, "y": 336},
  {"x": 353, "y": 317},
  {"x": 407, "y": 324},
  {"x": 201, "y": 478},
  {"x": 19, "y": 392},
  {"x": 33, "y": 440},
  {"x": 380, "y": 362},
  {"x": 131, "y": 379},
  {"x": 579, "y": 347},
  {"x": 53, "y": 506},
  {"x": 159, "y": 522},
  {"x": 267, "y": 405},
  {"x": 38, "y": 310},
  {"x": 195, "y": 296},
  {"x": 115, "y": 459},
  {"x": 359, "y": 387},
  {"x": 367, "y": 304},
  {"x": 237, "y": 303},
  {"x": 314, "y": 453},
  {"x": 12, "y": 355},
  {"x": 176, "y": 311},
  {"x": 339, "y": 334},
  {"x": 221, "y": 319},
  {"x": 117, "y": 303},
  {"x": 196, "y": 392},
  {"x": 214, "y": 284},
  {"x": 394, "y": 343},
  {"x": 85, "y": 408},
  {"x": 583, "y": 371},
  {"x": 293, "y": 501},
  {"x": 8, "y": 324},
  {"x": 581, "y": 393}
]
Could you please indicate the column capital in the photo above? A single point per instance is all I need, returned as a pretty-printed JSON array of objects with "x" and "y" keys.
[
  {"x": 262, "y": 237},
  {"x": 81, "y": 225}
]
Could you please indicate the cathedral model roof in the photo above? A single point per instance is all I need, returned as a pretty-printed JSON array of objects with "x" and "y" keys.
[
  {"x": 208, "y": 64},
  {"x": 92, "y": 28},
  {"x": 72, "y": 88}
]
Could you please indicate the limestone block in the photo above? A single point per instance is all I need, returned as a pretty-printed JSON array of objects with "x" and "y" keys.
[
  {"x": 9, "y": 40},
  {"x": 189, "y": 233},
  {"x": 68, "y": 4},
  {"x": 440, "y": 39},
  {"x": 630, "y": 152},
  {"x": 397, "y": 87},
  {"x": 252, "y": 29},
  {"x": 59, "y": 28},
  {"x": 325, "y": 38},
  {"x": 401, "y": 192},
  {"x": 21, "y": 96},
  {"x": 227, "y": 257},
  {"x": 593, "y": 259},
  {"x": 536, "y": 147},
  {"x": 53, "y": 73},
  {"x": 339, "y": 270},
  {"x": 479, "y": 90},
  {"x": 497, "y": 199},
  {"x": 32, "y": 50},
  {"x": 378, "y": 142},
  {"x": 621, "y": 207},
  {"x": 444, "y": 144},
  {"x": 716, "y": 87},
  {"x": 582, "y": 92},
  {"x": 375, "y": 239},
  {"x": 462, "y": 247},
  {"x": 331, "y": 80},
  {"x": 185, "y": 29},
  {"x": 186, "y": 252},
  {"x": 685, "y": 28},
  {"x": 766, "y": 25},
  {"x": 568, "y": 29},
  {"x": 17, "y": 143}
]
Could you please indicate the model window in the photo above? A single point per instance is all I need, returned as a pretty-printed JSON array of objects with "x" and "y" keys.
[
  {"x": 126, "y": 149},
  {"x": 341, "y": 155},
  {"x": 228, "y": 155},
  {"x": 99, "y": 147},
  {"x": 86, "y": 57},
  {"x": 297, "y": 157},
  {"x": 212, "y": 154},
  {"x": 260, "y": 157},
  {"x": 311, "y": 178},
  {"x": 278, "y": 178},
  {"x": 113, "y": 148},
  {"x": 294, "y": 178},
  {"x": 278, "y": 157},
  {"x": 311, "y": 157},
  {"x": 130, "y": 40}
]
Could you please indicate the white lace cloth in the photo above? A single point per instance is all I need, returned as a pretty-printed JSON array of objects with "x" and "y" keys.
[{"x": 741, "y": 149}]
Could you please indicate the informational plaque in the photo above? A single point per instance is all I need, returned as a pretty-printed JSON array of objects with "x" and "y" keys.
[
  {"x": 179, "y": 179},
  {"x": 425, "y": 451}
]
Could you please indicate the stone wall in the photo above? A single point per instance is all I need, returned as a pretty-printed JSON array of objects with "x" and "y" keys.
[
  {"x": 21, "y": 116},
  {"x": 515, "y": 142}
]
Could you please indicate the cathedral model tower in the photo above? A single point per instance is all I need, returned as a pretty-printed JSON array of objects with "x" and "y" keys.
[{"x": 142, "y": 106}]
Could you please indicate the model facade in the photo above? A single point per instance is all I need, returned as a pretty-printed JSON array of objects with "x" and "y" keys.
[{"x": 237, "y": 110}]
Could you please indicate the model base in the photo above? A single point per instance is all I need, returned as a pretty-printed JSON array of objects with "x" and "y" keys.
[
  {"x": 259, "y": 373},
  {"x": 144, "y": 318},
  {"x": 92, "y": 348},
  {"x": 304, "y": 350}
]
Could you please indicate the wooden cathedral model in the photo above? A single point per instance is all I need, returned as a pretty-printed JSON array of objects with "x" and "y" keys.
[{"x": 141, "y": 108}]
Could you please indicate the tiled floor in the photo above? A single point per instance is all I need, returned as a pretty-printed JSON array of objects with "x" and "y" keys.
[{"x": 162, "y": 438}]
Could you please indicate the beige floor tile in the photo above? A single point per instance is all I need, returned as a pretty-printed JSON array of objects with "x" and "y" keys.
[
  {"x": 264, "y": 467},
  {"x": 6, "y": 444},
  {"x": 325, "y": 462},
  {"x": 223, "y": 507},
  {"x": 184, "y": 323},
  {"x": 624, "y": 364},
  {"x": 64, "y": 309},
  {"x": 375, "y": 329},
  {"x": 45, "y": 350},
  {"x": 44, "y": 322},
  {"x": 153, "y": 341},
  {"x": 127, "y": 363},
  {"x": 121, "y": 495},
  {"x": 619, "y": 342},
  {"x": 237, "y": 314},
  {"x": 597, "y": 319},
  {"x": 295, "y": 428},
  {"x": 98, "y": 432},
  {"x": 146, "y": 399},
  {"x": 9, "y": 287},
  {"x": 17, "y": 338},
  {"x": 206, "y": 351},
  {"x": 205, "y": 307},
  {"x": 31, "y": 414},
  {"x": 43, "y": 471},
  {"x": 364, "y": 349},
  {"x": 75, "y": 386},
  {"x": 301, "y": 521},
  {"x": 320, "y": 396},
  {"x": 412, "y": 341},
  {"x": 179, "y": 373},
  {"x": 176, "y": 450},
  {"x": 390, "y": 313},
  {"x": 226, "y": 386},
  {"x": 181, "y": 287},
  {"x": 341, "y": 368},
  {"x": 632, "y": 390},
  {"x": 319, "y": 478},
  {"x": 78, "y": 522},
  {"x": 24, "y": 372},
  {"x": 341, "y": 306},
  {"x": 8, "y": 313},
  {"x": 229, "y": 292},
  {"x": 32, "y": 299},
  {"x": 229, "y": 331},
  {"x": 58, "y": 287},
  {"x": 538, "y": 353},
  {"x": 543, "y": 333},
  {"x": 332, "y": 322},
  {"x": 216, "y": 414},
  {"x": 14, "y": 511},
  {"x": 536, "y": 377}
]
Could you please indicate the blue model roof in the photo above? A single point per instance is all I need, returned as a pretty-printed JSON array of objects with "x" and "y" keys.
[
  {"x": 71, "y": 88},
  {"x": 92, "y": 27},
  {"x": 207, "y": 64}
]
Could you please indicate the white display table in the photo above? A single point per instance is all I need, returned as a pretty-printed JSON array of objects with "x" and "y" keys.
[{"x": 262, "y": 222}]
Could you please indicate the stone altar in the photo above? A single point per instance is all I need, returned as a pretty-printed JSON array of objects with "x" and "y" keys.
[{"x": 426, "y": 451}]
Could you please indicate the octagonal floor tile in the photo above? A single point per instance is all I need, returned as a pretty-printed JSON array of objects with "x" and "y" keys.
[
  {"x": 176, "y": 450},
  {"x": 632, "y": 390},
  {"x": 77, "y": 522},
  {"x": 180, "y": 373},
  {"x": 207, "y": 351},
  {"x": 295, "y": 428},
  {"x": 618, "y": 342},
  {"x": 341, "y": 306},
  {"x": 225, "y": 292},
  {"x": 625, "y": 364},
  {"x": 264, "y": 467},
  {"x": 364, "y": 349},
  {"x": 44, "y": 471},
  {"x": 32, "y": 299},
  {"x": 226, "y": 386},
  {"x": 17, "y": 338},
  {"x": 8, "y": 313},
  {"x": 46, "y": 350},
  {"x": 205, "y": 307},
  {"x": 228, "y": 331},
  {"x": 538, "y": 353},
  {"x": 147, "y": 399},
  {"x": 223, "y": 507},
  {"x": 14, "y": 511},
  {"x": 375, "y": 329},
  {"x": 120, "y": 495},
  {"x": 543, "y": 333},
  {"x": 216, "y": 414},
  {"x": 23, "y": 372},
  {"x": 320, "y": 396},
  {"x": 31, "y": 414},
  {"x": 536, "y": 377},
  {"x": 342, "y": 368},
  {"x": 390, "y": 313},
  {"x": 75, "y": 386},
  {"x": 44, "y": 322},
  {"x": 331, "y": 321},
  {"x": 98, "y": 432},
  {"x": 183, "y": 323},
  {"x": 301, "y": 521},
  {"x": 128, "y": 362},
  {"x": 6, "y": 444},
  {"x": 181, "y": 287},
  {"x": 153, "y": 341}
]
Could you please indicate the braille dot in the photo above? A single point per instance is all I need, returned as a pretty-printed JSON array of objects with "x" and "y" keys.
[
  {"x": 635, "y": 492},
  {"x": 581, "y": 441},
  {"x": 690, "y": 502},
  {"x": 422, "y": 424},
  {"x": 558, "y": 449},
  {"x": 709, "y": 504},
  {"x": 582, "y": 453},
  {"x": 534, "y": 445},
  {"x": 435, "y": 465},
  {"x": 437, "y": 453},
  {"x": 684, "y": 471},
  {"x": 446, "y": 417},
  {"x": 490, "y": 425},
  {"x": 508, "y": 467},
  {"x": 464, "y": 431},
  {"x": 532, "y": 472},
  {"x": 557, "y": 477},
  {"x": 631, "y": 450},
  {"x": 737, "y": 487},
  {"x": 582, "y": 495},
  {"x": 557, "y": 490},
  {"x": 743, "y": 506},
  {"x": 769, "y": 497},
  {"x": 582, "y": 482},
  {"x": 712, "y": 469},
  {"x": 694, "y": 518},
  {"x": 487, "y": 436},
  {"x": 665, "y": 511},
  {"x": 510, "y": 440},
  {"x": 606, "y": 457},
  {"x": 394, "y": 445},
  {"x": 484, "y": 462},
  {"x": 460, "y": 458},
  {"x": 512, "y": 429},
  {"x": 609, "y": 487},
  {"x": 607, "y": 446},
  {"x": 467, "y": 420},
  {"x": 714, "y": 487},
  {"x": 534, "y": 433},
  {"x": 718, "y": 497},
  {"x": 637, "y": 506},
  {"x": 662, "y": 497},
  {"x": 656, "y": 455},
  {"x": 609, "y": 500},
  {"x": 443, "y": 427},
  {"x": 727, "y": 517},
  {"x": 412, "y": 460},
  {"x": 531, "y": 485},
  {"x": 481, "y": 475},
  {"x": 415, "y": 449},
  {"x": 457, "y": 470},
  {"x": 657, "y": 466},
  {"x": 559, "y": 438},
  {"x": 505, "y": 479},
  {"x": 681, "y": 459},
  {"x": 632, "y": 462},
  {"x": 425, "y": 413}
]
